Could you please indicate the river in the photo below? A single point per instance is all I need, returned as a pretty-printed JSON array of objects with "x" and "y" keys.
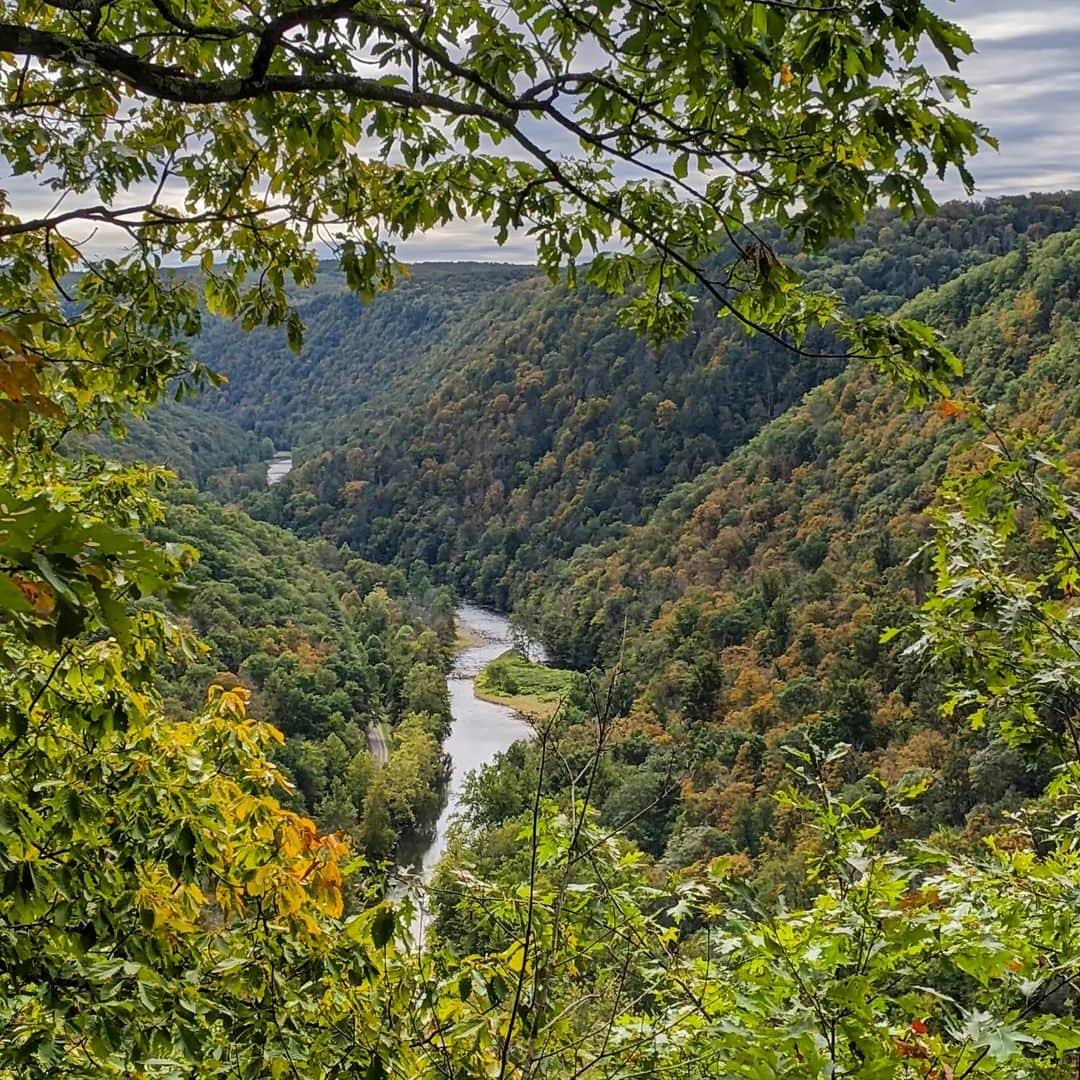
[
  {"x": 278, "y": 467},
  {"x": 479, "y": 729}
]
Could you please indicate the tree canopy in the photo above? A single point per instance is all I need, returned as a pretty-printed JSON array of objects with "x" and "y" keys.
[
  {"x": 237, "y": 136},
  {"x": 495, "y": 440}
]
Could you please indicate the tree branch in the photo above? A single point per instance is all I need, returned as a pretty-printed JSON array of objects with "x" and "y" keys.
[{"x": 174, "y": 84}]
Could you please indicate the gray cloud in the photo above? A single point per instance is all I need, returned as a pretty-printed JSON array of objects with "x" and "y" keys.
[{"x": 1027, "y": 87}]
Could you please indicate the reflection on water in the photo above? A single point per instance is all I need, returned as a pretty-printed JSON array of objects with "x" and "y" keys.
[
  {"x": 278, "y": 467},
  {"x": 479, "y": 731}
]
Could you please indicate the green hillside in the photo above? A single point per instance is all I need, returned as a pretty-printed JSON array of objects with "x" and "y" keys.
[
  {"x": 352, "y": 350},
  {"x": 329, "y": 645},
  {"x": 538, "y": 425},
  {"x": 749, "y": 610},
  {"x": 194, "y": 444}
]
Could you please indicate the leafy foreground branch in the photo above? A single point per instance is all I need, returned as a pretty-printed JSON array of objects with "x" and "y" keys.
[
  {"x": 164, "y": 917},
  {"x": 642, "y": 138},
  {"x": 909, "y": 963}
]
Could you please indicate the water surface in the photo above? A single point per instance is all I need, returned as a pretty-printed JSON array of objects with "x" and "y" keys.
[
  {"x": 278, "y": 467},
  {"x": 479, "y": 731}
]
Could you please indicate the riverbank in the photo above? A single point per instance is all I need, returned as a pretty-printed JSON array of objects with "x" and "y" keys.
[
  {"x": 534, "y": 690},
  {"x": 465, "y": 638}
]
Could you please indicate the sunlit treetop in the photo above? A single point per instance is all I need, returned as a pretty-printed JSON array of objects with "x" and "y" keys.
[{"x": 242, "y": 136}]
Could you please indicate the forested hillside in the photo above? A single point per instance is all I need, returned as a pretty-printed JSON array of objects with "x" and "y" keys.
[
  {"x": 749, "y": 606},
  {"x": 338, "y": 653},
  {"x": 852, "y": 454},
  {"x": 540, "y": 425},
  {"x": 749, "y": 611},
  {"x": 197, "y": 445},
  {"x": 351, "y": 351}
]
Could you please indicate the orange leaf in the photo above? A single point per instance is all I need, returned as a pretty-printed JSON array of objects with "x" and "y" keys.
[
  {"x": 911, "y": 1050},
  {"x": 39, "y": 596},
  {"x": 949, "y": 408}
]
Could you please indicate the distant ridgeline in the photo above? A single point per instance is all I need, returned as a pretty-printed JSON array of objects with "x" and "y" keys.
[
  {"x": 742, "y": 541},
  {"x": 351, "y": 350}
]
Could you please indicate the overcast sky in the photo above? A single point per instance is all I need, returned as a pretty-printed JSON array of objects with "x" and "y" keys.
[{"x": 1027, "y": 82}]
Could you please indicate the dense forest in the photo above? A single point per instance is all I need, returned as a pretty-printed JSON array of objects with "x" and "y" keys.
[
  {"x": 330, "y": 647},
  {"x": 748, "y": 613},
  {"x": 775, "y": 456},
  {"x": 341, "y": 655},
  {"x": 748, "y": 607},
  {"x": 538, "y": 424},
  {"x": 204, "y": 449},
  {"x": 351, "y": 348}
]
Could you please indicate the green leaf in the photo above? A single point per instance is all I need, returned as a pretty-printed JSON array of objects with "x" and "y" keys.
[
  {"x": 382, "y": 927},
  {"x": 1060, "y": 1033},
  {"x": 11, "y": 596}
]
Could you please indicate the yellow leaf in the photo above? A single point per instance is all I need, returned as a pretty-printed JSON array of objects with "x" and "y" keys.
[
  {"x": 514, "y": 957},
  {"x": 290, "y": 897},
  {"x": 18, "y": 379}
]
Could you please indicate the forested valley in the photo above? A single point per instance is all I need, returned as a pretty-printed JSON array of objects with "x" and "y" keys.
[
  {"x": 746, "y": 605},
  {"x": 768, "y": 459},
  {"x": 533, "y": 424}
]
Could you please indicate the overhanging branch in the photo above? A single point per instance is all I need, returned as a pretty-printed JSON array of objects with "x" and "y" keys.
[{"x": 173, "y": 84}]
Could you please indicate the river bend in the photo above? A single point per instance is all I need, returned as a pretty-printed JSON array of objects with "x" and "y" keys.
[{"x": 479, "y": 730}]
